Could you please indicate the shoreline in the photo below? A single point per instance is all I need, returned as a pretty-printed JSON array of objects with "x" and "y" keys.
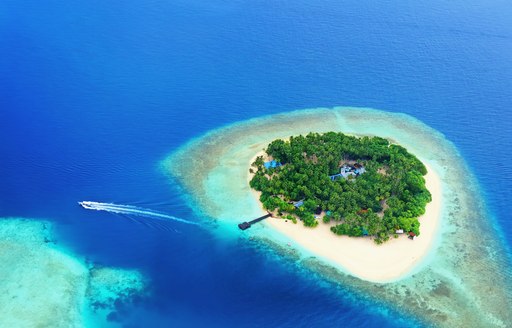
[
  {"x": 440, "y": 285},
  {"x": 360, "y": 256}
]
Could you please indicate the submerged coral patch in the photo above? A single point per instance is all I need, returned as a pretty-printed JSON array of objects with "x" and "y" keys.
[
  {"x": 465, "y": 279},
  {"x": 45, "y": 286}
]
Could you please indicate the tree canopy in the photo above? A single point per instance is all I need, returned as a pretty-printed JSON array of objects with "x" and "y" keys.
[{"x": 389, "y": 195}]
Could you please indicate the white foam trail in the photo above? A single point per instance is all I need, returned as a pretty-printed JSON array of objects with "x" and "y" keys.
[{"x": 130, "y": 210}]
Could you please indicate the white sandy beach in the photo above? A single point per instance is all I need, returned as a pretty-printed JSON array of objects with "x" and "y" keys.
[
  {"x": 437, "y": 276},
  {"x": 361, "y": 257}
]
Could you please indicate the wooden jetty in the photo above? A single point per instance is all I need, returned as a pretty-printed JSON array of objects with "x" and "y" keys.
[{"x": 247, "y": 225}]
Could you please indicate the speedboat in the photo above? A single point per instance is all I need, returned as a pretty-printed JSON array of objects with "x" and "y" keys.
[{"x": 87, "y": 204}]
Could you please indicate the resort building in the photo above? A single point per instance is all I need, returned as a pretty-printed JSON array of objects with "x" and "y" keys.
[
  {"x": 349, "y": 170},
  {"x": 271, "y": 164},
  {"x": 298, "y": 204}
]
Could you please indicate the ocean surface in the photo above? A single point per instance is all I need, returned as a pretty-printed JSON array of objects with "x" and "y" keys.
[{"x": 94, "y": 95}]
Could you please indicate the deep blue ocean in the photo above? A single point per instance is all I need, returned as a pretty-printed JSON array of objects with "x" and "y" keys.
[{"x": 94, "y": 94}]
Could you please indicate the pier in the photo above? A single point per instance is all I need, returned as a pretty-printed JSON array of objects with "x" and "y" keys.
[{"x": 247, "y": 225}]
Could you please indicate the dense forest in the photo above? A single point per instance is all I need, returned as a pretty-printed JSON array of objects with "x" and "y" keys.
[{"x": 388, "y": 196}]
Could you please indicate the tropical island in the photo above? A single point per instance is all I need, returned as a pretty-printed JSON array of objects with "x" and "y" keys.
[
  {"x": 435, "y": 277},
  {"x": 363, "y": 186}
]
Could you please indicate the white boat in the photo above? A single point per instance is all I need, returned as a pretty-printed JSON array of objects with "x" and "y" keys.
[{"x": 87, "y": 204}]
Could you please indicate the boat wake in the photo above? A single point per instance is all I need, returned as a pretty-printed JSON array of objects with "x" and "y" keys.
[{"x": 131, "y": 210}]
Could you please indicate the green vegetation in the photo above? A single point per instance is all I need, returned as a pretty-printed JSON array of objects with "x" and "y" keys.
[{"x": 389, "y": 195}]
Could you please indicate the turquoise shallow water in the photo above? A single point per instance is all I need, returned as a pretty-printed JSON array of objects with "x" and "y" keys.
[
  {"x": 44, "y": 284},
  {"x": 94, "y": 95},
  {"x": 466, "y": 264}
]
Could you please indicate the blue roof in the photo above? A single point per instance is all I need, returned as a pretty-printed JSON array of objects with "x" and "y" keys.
[
  {"x": 333, "y": 177},
  {"x": 271, "y": 164},
  {"x": 299, "y": 203}
]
